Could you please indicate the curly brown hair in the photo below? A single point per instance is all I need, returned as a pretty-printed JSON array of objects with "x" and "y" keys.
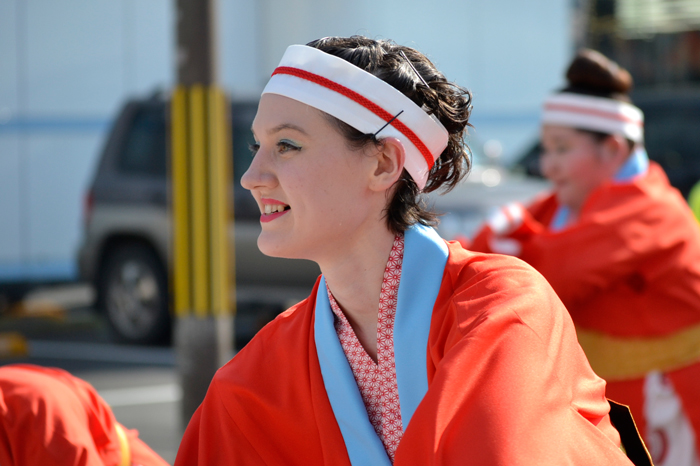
[{"x": 450, "y": 103}]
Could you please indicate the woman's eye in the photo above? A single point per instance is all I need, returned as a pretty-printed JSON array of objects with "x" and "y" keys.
[
  {"x": 286, "y": 146},
  {"x": 254, "y": 148},
  {"x": 558, "y": 150}
]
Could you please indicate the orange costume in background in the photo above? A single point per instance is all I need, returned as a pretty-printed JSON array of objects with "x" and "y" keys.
[
  {"x": 505, "y": 379},
  {"x": 48, "y": 417},
  {"x": 628, "y": 271}
]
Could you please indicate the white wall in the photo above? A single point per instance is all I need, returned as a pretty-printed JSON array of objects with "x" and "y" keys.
[
  {"x": 10, "y": 232},
  {"x": 65, "y": 68},
  {"x": 241, "y": 49}
]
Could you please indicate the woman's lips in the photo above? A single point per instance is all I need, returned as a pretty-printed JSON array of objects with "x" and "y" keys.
[
  {"x": 264, "y": 218},
  {"x": 271, "y": 209},
  {"x": 267, "y": 200}
]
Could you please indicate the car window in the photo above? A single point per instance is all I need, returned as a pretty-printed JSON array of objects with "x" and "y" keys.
[
  {"x": 144, "y": 148},
  {"x": 672, "y": 135},
  {"x": 529, "y": 163},
  {"x": 242, "y": 139},
  {"x": 242, "y": 116},
  {"x": 672, "y": 139}
]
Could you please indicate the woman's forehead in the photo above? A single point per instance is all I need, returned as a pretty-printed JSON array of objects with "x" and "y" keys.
[
  {"x": 559, "y": 133},
  {"x": 555, "y": 130},
  {"x": 277, "y": 111}
]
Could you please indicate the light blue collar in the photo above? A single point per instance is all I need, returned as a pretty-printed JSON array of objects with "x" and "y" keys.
[
  {"x": 637, "y": 164},
  {"x": 560, "y": 219},
  {"x": 425, "y": 256}
]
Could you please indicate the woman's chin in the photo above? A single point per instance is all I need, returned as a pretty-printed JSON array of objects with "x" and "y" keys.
[
  {"x": 274, "y": 247},
  {"x": 563, "y": 196},
  {"x": 268, "y": 247}
]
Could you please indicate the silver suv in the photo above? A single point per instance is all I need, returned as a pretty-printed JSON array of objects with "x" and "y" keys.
[{"x": 126, "y": 245}]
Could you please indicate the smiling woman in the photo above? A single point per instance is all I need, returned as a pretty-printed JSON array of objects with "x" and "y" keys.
[{"x": 409, "y": 350}]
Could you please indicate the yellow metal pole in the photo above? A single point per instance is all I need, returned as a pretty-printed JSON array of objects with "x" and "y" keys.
[
  {"x": 199, "y": 220},
  {"x": 201, "y": 214},
  {"x": 180, "y": 199},
  {"x": 219, "y": 182}
]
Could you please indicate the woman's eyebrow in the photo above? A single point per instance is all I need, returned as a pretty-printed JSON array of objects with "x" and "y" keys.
[{"x": 279, "y": 128}]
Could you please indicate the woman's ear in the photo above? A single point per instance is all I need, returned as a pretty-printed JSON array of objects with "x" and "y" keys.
[
  {"x": 390, "y": 158},
  {"x": 616, "y": 151}
]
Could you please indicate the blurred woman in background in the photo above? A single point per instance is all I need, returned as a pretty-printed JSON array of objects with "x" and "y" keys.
[{"x": 621, "y": 249}]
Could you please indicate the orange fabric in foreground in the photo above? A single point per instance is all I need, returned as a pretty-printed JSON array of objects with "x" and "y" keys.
[
  {"x": 50, "y": 418},
  {"x": 508, "y": 384}
]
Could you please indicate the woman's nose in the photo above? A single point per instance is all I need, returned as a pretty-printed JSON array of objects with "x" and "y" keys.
[
  {"x": 258, "y": 174},
  {"x": 546, "y": 165},
  {"x": 251, "y": 176}
]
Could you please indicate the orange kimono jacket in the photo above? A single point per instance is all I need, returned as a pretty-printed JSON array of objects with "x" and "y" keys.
[
  {"x": 488, "y": 371},
  {"x": 50, "y": 418},
  {"x": 628, "y": 271}
]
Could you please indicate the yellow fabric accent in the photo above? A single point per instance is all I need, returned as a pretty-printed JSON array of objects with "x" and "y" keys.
[
  {"x": 123, "y": 446},
  {"x": 694, "y": 200},
  {"x": 614, "y": 358}
]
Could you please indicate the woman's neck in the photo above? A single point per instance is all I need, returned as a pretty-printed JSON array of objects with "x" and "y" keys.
[{"x": 355, "y": 277}]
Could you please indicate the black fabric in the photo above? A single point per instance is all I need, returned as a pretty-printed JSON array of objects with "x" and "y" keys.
[{"x": 621, "y": 418}]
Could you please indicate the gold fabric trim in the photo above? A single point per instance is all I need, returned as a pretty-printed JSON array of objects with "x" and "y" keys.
[
  {"x": 614, "y": 358},
  {"x": 123, "y": 446}
]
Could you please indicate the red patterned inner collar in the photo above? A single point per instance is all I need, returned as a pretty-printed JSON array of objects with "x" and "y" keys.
[{"x": 377, "y": 381}]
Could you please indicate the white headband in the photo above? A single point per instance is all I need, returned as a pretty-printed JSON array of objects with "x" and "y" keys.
[
  {"x": 596, "y": 114},
  {"x": 363, "y": 101}
]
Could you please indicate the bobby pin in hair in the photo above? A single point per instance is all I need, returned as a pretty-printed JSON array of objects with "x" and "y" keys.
[
  {"x": 388, "y": 123},
  {"x": 413, "y": 68}
]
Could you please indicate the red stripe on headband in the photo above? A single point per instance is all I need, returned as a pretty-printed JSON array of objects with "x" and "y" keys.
[
  {"x": 594, "y": 112},
  {"x": 365, "y": 102}
]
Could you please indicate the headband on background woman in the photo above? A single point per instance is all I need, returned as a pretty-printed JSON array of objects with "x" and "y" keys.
[
  {"x": 363, "y": 101},
  {"x": 600, "y": 114}
]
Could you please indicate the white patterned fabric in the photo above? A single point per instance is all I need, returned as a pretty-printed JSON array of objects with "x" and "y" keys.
[{"x": 669, "y": 433}]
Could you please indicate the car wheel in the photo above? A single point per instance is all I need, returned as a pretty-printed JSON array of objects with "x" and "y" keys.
[{"x": 133, "y": 293}]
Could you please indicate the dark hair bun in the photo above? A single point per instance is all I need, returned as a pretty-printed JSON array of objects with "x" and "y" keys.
[{"x": 593, "y": 73}]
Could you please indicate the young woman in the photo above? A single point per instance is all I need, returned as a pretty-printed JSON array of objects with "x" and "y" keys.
[
  {"x": 621, "y": 249},
  {"x": 409, "y": 350}
]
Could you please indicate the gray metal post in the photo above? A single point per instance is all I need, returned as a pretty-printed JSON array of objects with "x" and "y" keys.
[{"x": 200, "y": 148}]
